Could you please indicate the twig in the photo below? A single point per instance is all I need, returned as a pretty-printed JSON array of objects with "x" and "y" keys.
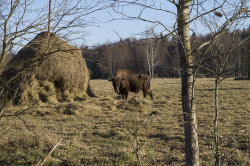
[
  {"x": 136, "y": 151},
  {"x": 135, "y": 146},
  {"x": 50, "y": 153}
]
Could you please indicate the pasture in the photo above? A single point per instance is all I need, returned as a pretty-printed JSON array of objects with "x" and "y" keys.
[{"x": 110, "y": 131}]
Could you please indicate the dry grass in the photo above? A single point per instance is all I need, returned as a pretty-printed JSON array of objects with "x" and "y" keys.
[
  {"x": 110, "y": 131},
  {"x": 47, "y": 69}
]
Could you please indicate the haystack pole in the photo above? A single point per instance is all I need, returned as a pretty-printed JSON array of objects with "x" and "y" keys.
[{"x": 49, "y": 16}]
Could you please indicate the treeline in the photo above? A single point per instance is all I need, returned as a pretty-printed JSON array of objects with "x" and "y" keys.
[{"x": 228, "y": 56}]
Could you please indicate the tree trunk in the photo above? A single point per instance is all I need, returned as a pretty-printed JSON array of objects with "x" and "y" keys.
[
  {"x": 148, "y": 59},
  {"x": 3, "y": 54},
  {"x": 216, "y": 123},
  {"x": 187, "y": 76},
  {"x": 248, "y": 74}
]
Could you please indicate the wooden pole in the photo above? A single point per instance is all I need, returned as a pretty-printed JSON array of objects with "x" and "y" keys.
[{"x": 49, "y": 17}]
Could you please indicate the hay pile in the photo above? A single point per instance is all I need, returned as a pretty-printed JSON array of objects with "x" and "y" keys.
[{"x": 47, "y": 69}]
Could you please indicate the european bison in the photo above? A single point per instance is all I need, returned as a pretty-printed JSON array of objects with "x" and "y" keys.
[{"x": 125, "y": 81}]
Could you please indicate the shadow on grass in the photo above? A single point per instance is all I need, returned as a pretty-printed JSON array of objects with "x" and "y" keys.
[
  {"x": 223, "y": 89},
  {"x": 166, "y": 138}
]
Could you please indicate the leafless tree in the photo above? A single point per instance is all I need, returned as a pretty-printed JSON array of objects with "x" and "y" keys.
[
  {"x": 15, "y": 24},
  {"x": 188, "y": 13},
  {"x": 151, "y": 56},
  {"x": 219, "y": 63},
  {"x": 66, "y": 18}
]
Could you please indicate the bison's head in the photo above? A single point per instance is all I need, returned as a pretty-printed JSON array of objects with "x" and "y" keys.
[{"x": 116, "y": 83}]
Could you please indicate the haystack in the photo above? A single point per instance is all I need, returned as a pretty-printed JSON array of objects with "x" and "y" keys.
[{"x": 47, "y": 69}]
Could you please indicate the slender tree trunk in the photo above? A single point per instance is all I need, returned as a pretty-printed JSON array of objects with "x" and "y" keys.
[
  {"x": 216, "y": 123},
  {"x": 153, "y": 54},
  {"x": 3, "y": 54},
  {"x": 5, "y": 33},
  {"x": 148, "y": 60},
  {"x": 111, "y": 63},
  {"x": 248, "y": 74},
  {"x": 187, "y": 76}
]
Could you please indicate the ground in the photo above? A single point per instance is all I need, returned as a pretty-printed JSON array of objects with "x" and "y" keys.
[{"x": 110, "y": 131}]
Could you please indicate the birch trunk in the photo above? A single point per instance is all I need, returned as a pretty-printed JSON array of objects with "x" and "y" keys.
[
  {"x": 216, "y": 123},
  {"x": 187, "y": 77}
]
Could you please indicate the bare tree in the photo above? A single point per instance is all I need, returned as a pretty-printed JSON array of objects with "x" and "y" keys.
[
  {"x": 66, "y": 18},
  {"x": 188, "y": 13},
  {"x": 151, "y": 55},
  {"x": 15, "y": 24},
  {"x": 219, "y": 63}
]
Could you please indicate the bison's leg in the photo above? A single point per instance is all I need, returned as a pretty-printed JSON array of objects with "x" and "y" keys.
[
  {"x": 145, "y": 93},
  {"x": 123, "y": 96},
  {"x": 126, "y": 95},
  {"x": 151, "y": 95}
]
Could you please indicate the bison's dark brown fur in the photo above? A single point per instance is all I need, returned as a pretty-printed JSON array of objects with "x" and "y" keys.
[
  {"x": 124, "y": 88},
  {"x": 125, "y": 81}
]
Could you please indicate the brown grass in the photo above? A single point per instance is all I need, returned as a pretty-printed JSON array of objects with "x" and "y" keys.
[{"x": 110, "y": 131}]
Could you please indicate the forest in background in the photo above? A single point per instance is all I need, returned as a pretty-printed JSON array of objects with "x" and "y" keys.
[{"x": 158, "y": 56}]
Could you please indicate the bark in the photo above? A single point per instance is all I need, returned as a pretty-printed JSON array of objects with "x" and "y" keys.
[
  {"x": 3, "y": 55},
  {"x": 187, "y": 76},
  {"x": 248, "y": 74},
  {"x": 216, "y": 123}
]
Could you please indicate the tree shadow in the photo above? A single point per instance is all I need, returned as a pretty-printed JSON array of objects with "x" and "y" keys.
[
  {"x": 211, "y": 89},
  {"x": 166, "y": 138}
]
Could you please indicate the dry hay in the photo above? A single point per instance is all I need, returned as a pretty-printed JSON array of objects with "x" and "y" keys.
[{"x": 47, "y": 69}]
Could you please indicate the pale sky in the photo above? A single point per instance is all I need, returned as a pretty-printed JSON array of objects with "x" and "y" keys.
[
  {"x": 109, "y": 31},
  {"x": 106, "y": 31},
  {"x": 134, "y": 28}
]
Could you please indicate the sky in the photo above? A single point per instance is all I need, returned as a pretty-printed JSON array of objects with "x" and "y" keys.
[
  {"x": 105, "y": 31},
  {"x": 111, "y": 30}
]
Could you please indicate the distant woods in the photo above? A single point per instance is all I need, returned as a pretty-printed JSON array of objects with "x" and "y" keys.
[{"x": 159, "y": 56}]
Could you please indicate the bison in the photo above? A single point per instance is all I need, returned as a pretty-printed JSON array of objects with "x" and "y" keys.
[{"x": 125, "y": 81}]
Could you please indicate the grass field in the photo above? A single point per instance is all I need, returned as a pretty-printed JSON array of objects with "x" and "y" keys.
[{"x": 110, "y": 131}]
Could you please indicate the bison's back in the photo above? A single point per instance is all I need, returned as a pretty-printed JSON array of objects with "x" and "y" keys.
[
  {"x": 123, "y": 73},
  {"x": 138, "y": 82}
]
